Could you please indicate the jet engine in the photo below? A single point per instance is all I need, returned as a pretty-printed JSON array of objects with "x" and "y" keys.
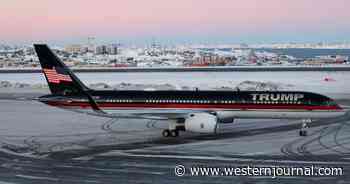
[
  {"x": 201, "y": 123},
  {"x": 225, "y": 117}
]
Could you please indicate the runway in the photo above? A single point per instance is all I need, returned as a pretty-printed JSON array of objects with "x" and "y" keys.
[{"x": 41, "y": 144}]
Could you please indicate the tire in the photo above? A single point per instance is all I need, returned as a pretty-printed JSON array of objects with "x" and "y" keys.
[
  {"x": 303, "y": 133},
  {"x": 174, "y": 133},
  {"x": 166, "y": 133}
]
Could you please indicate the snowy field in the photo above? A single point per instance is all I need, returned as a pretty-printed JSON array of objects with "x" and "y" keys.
[{"x": 328, "y": 83}]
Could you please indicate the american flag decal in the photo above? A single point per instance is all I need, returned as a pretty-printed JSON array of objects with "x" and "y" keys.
[{"x": 54, "y": 77}]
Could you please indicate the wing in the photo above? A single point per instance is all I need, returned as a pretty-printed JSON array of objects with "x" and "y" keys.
[{"x": 149, "y": 114}]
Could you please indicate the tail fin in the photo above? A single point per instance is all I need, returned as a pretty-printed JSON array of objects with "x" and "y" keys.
[{"x": 59, "y": 77}]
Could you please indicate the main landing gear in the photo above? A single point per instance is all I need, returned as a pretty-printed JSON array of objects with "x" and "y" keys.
[
  {"x": 174, "y": 128},
  {"x": 304, "y": 127},
  {"x": 170, "y": 133}
]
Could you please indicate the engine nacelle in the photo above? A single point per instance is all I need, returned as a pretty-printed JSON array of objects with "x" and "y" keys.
[
  {"x": 201, "y": 123},
  {"x": 225, "y": 117}
]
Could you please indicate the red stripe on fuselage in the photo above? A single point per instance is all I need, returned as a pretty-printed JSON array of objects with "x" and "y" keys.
[{"x": 106, "y": 105}]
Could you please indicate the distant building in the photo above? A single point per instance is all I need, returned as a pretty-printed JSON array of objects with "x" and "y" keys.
[
  {"x": 113, "y": 49},
  {"x": 75, "y": 48},
  {"x": 212, "y": 60},
  {"x": 84, "y": 49},
  {"x": 331, "y": 59},
  {"x": 101, "y": 50}
]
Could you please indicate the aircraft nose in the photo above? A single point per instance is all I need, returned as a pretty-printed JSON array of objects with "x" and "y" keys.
[{"x": 339, "y": 107}]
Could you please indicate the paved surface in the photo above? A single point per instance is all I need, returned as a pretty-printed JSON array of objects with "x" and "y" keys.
[{"x": 41, "y": 144}]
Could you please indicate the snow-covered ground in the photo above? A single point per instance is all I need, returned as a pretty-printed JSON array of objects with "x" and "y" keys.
[
  {"x": 329, "y": 83},
  {"x": 11, "y": 84},
  {"x": 43, "y": 143}
]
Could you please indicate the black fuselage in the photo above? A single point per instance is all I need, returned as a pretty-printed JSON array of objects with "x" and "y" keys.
[{"x": 198, "y": 99}]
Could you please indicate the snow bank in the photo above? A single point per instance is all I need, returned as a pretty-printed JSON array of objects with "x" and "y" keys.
[{"x": 246, "y": 85}]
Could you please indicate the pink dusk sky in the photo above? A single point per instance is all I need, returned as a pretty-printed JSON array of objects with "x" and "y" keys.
[{"x": 189, "y": 21}]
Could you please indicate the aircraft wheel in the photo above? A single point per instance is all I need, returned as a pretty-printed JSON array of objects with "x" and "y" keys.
[
  {"x": 174, "y": 133},
  {"x": 302, "y": 133},
  {"x": 166, "y": 133},
  {"x": 305, "y": 133}
]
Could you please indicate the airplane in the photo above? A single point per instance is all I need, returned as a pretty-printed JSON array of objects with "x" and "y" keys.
[{"x": 191, "y": 110}]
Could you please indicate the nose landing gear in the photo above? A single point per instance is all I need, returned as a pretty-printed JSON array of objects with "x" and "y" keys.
[{"x": 304, "y": 126}]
